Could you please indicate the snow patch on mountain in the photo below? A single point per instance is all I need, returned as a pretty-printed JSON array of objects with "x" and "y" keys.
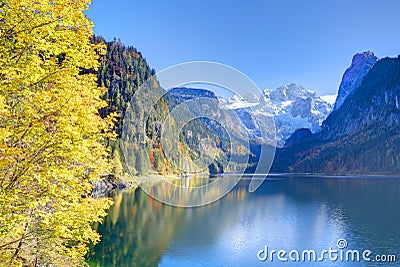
[
  {"x": 238, "y": 102},
  {"x": 331, "y": 99}
]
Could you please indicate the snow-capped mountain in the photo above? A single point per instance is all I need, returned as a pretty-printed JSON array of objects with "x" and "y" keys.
[
  {"x": 292, "y": 107},
  {"x": 360, "y": 66}
]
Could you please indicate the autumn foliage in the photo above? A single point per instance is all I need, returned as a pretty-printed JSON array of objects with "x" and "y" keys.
[{"x": 50, "y": 133}]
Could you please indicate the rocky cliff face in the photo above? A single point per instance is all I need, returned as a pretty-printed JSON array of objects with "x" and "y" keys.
[
  {"x": 361, "y": 137},
  {"x": 376, "y": 99},
  {"x": 360, "y": 66}
]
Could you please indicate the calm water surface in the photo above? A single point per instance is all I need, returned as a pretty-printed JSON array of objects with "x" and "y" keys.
[{"x": 286, "y": 213}]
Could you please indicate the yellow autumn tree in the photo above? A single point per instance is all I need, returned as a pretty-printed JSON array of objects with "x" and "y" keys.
[{"x": 50, "y": 133}]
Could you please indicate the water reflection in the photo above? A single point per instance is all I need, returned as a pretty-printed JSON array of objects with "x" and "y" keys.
[
  {"x": 285, "y": 213},
  {"x": 188, "y": 191}
]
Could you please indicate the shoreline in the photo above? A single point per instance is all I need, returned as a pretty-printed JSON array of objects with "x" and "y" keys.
[{"x": 106, "y": 184}]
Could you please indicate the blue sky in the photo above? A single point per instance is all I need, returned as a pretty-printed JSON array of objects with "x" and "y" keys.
[{"x": 308, "y": 42}]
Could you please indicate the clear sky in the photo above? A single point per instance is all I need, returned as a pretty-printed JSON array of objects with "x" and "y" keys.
[{"x": 274, "y": 42}]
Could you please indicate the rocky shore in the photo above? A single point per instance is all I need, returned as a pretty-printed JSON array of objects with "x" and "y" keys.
[{"x": 107, "y": 184}]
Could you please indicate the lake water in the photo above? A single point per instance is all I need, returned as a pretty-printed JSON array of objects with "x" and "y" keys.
[{"x": 285, "y": 213}]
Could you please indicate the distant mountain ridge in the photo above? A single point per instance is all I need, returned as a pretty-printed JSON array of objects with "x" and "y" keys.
[{"x": 185, "y": 93}]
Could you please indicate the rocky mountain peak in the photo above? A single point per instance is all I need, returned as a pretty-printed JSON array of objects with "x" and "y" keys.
[
  {"x": 292, "y": 107},
  {"x": 288, "y": 92},
  {"x": 360, "y": 66}
]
